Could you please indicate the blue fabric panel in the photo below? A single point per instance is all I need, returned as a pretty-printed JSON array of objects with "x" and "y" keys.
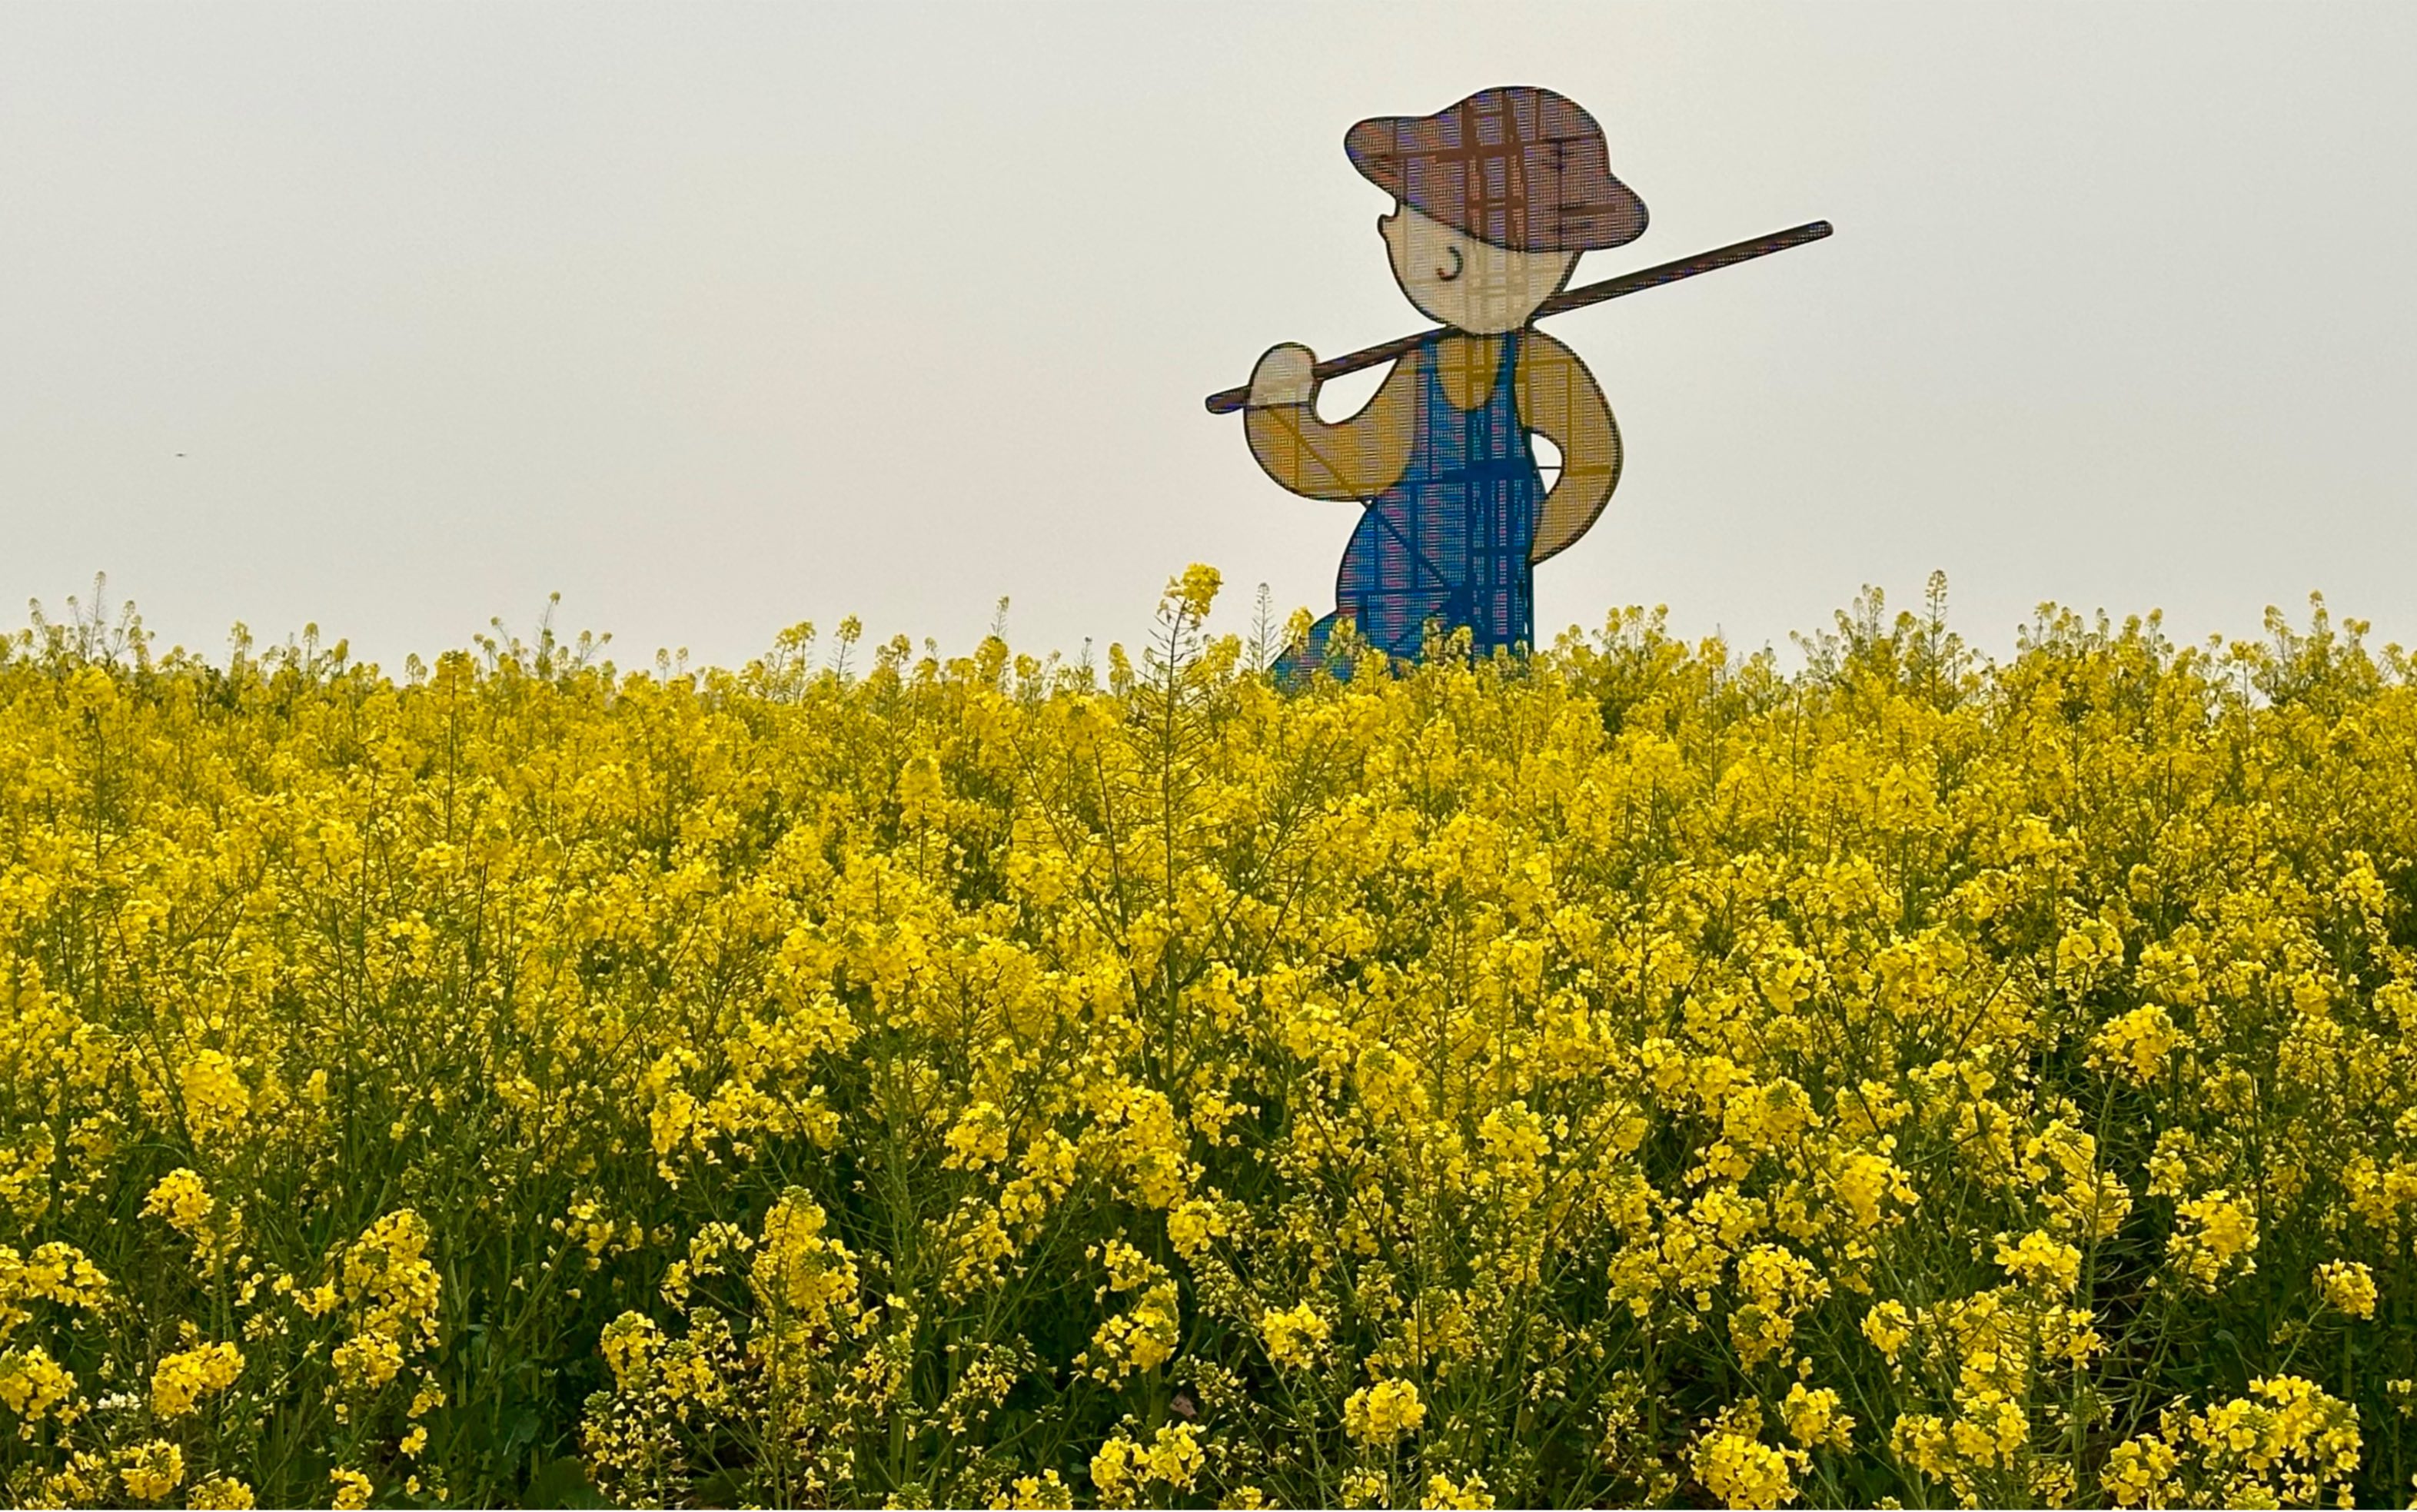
[{"x": 1449, "y": 541}]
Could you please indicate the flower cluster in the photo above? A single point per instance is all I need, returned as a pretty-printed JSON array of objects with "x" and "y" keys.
[
  {"x": 183, "y": 1380},
  {"x": 2286, "y": 1443},
  {"x": 1635, "y": 1073}
]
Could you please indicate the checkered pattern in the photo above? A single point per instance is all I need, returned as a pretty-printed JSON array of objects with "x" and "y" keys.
[
  {"x": 1448, "y": 542},
  {"x": 1515, "y": 166}
]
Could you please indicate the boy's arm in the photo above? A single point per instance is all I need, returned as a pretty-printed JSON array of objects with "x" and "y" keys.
[
  {"x": 1558, "y": 398},
  {"x": 1354, "y": 459}
]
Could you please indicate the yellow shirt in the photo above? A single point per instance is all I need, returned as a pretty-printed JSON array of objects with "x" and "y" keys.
[{"x": 1363, "y": 456}]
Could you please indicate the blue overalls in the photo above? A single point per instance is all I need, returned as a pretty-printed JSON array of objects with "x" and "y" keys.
[{"x": 1448, "y": 541}]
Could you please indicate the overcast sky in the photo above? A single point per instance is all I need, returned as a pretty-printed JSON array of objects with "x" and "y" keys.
[{"x": 717, "y": 318}]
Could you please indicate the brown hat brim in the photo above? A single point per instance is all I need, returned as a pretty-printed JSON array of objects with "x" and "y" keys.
[{"x": 1515, "y": 166}]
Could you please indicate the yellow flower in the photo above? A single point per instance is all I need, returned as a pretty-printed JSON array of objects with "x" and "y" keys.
[
  {"x": 2348, "y": 1284},
  {"x": 2137, "y": 1044},
  {"x": 1293, "y": 1336},
  {"x": 628, "y": 1344},
  {"x": 1814, "y": 1420},
  {"x": 388, "y": 1267},
  {"x": 1192, "y": 1226},
  {"x": 979, "y": 1140},
  {"x": 153, "y": 1470},
  {"x": 1174, "y": 1457},
  {"x": 2287, "y": 1441},
  {"x": 1384, "y": 1414},
  {"x": 1117, "y": 1471},
  {"x": 1744, "y": 1471},
  {"x": 1777, "y": 1285},
  {"x": 180, "y": 1198},
  {"x": 216, "y": 1101},
  {"x": 1864, "y": 1181},
  {"x": 353, "y": 1489},
  {"x": 1143, "y": 1338},
  {"x": 367, "y": 1362},
  {"x": 797, "y": 1274},
  {"x": 2042, "y": 1261},
  {"x": 54, "y": 1272},
  {"x": 221, "y": 1493},
  {"x": 1888, "y": 1325},
  {"x": 180, "y": 1380},
  {"x": 2211, "y": 1232},
  {"x": 1443, "y": 1491},
  {"x": 1196, "y": 589},
  {"x": 884, "y": 1014},
  {"x": 918, "y": 789},
  {"x": 1031, "y": 1493},
  {"x": 32, "y": 1383},
  {"x": 2137, "y": 1471}
]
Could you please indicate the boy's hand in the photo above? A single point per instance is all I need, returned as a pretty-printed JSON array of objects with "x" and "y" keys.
[{"x": 1282, "y": 376}]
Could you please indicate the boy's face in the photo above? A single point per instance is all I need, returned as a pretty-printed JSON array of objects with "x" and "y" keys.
[{"x": 1465, "y": 283}]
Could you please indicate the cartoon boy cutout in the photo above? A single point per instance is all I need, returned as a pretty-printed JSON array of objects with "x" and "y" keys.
[{"x": 1494, "y": 199}]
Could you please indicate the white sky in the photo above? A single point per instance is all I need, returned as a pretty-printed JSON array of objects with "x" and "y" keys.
[{"x": 719, "y": 318}]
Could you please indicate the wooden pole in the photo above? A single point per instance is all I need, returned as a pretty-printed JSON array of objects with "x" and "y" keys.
[{"x": 1226, "y": 401}]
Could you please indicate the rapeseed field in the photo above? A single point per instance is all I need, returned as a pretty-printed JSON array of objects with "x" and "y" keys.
[{"x": 1640, "y": 1074}]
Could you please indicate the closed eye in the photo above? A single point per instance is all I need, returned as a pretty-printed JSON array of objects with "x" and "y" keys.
[{"x": 1456, "y": 266}]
